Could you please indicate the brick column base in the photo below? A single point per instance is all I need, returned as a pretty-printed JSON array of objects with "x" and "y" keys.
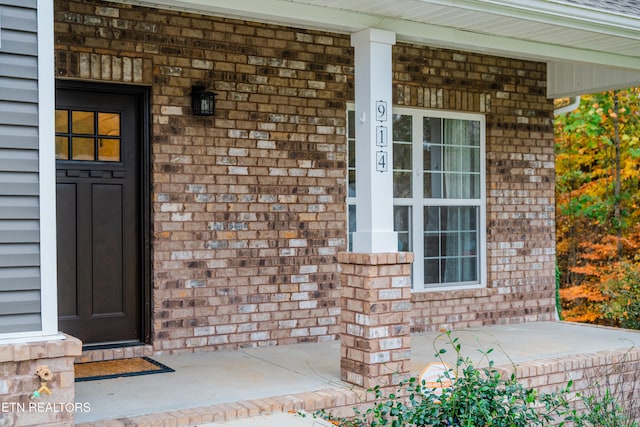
[
  {"x": 53, "y": 406},
  {"x": 375, "y": 315}
]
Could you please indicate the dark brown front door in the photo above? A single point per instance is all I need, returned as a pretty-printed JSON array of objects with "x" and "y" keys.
[{"x": 99, "y": 220}]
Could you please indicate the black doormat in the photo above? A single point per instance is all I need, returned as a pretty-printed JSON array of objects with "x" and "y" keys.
[{"x": 107, "y": 369}]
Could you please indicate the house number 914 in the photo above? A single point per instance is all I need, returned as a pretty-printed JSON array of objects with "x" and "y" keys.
[{"x": 382, "y": 157}]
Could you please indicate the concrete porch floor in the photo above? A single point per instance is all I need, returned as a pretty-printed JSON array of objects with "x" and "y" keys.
[{"x": 225, "y": 385}]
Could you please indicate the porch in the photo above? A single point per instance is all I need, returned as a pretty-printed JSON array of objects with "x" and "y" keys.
[{"x": 228, "y": 385}]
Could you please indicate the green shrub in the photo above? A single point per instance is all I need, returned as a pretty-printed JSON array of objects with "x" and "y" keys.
[{"x": 602, "y": 411}]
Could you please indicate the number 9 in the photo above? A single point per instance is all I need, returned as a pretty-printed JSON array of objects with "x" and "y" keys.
[{"x": 381, "y": 111}]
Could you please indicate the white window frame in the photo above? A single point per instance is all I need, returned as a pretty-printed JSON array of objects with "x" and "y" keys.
[{"x": 417, "y": 202}]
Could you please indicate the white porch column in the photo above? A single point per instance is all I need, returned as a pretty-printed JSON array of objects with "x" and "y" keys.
[{"x": 374, "y": 148}]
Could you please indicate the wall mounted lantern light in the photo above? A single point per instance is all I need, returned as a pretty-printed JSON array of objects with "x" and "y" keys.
[{"x": 202, "y": 101}]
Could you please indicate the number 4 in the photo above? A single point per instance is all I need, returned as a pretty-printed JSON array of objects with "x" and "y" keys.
[{"x": 381, "y": 161}]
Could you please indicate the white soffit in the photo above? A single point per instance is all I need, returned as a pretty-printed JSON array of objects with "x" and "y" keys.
[
  {"x": 570, "y": 79},
  {"x": 545, "y": 30}
]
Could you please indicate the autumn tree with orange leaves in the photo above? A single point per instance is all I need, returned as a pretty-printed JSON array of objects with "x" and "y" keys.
[{"x": 598, "y": 209}]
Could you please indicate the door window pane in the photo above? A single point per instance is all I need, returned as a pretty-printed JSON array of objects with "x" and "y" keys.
[
  {"x": 82, "y": 122},
  {"x": 62, "y": 141},
  {"x": 82, "y": 148},
  {"x": 62, "y": 147},
  {"x": 62, "y": 121},
  {"x": 109, "y": 124},
  {"x": 108, "y": 150}
]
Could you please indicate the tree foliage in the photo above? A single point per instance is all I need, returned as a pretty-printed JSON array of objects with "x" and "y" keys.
[{"x": 598, "y": 208}]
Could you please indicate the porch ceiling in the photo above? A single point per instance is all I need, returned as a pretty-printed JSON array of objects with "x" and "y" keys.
[{"x": 552, "y": 31}]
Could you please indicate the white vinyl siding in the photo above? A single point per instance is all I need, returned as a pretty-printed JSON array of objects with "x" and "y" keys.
[{"x": 20, "y": 288}]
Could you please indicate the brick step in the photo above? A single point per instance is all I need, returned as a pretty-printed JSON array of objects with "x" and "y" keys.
[
  {"x": 339, "y": 400},
  {"x": 101, "y": 354}
]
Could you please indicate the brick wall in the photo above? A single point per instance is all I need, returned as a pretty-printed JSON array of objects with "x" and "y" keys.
[
  {"x": 248, "y": 207},
  {"x": 18, "y": 365},
  {"x": 593, "y": 375},
  {"x": 248, "y": 210}
]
